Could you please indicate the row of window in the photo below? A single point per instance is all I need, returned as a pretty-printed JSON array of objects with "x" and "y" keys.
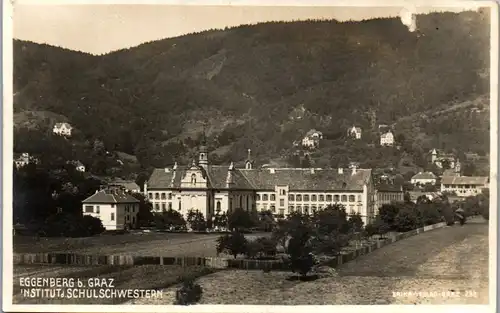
[
  {"x": 303, "y": 209},
  {"x": 389, "y": 197},
  {"x": 461, "y": 186},
  {"x": 160, "y": 195},
  {"x": 313, "y": 198}
]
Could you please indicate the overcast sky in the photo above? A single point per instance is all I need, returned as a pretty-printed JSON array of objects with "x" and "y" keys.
[{"x": 100, "y": 29}]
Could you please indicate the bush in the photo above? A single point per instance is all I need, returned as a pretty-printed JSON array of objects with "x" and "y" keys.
[
  {"x": 406, "y": 220},
  {"x": 188, "y": 293},
  {"x": 428, "y": 214},
  {"x": 233, "y": 244},
  {"x": 71, "y": 225}
]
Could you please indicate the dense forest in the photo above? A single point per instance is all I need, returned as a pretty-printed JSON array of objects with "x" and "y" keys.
[{"x": 243, "y": 86}]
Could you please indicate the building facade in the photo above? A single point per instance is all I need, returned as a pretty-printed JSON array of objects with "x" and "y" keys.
[
  {"x": 354, "y": 132},
  {"x": 312, "y": 139},
  {"x": 464, "y": 186},
  {"x": 116, "y": 209},
  {"x": 387, "y": 139},
  {"x": 63, "y": 129},
  {"x": 440, "y": 158},
  {"x": 424, "y": 178},
  {"x": 387, "y": 194},
  {"x": 220, "y": 188}
]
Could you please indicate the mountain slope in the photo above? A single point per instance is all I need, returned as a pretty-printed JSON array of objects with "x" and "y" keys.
[{"x": 144, "y": 100}]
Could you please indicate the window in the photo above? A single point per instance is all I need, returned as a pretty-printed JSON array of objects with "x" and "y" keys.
[
  {"x": 273, "y": 197},
  {"x": 314, "y": 208},
  {"x": 193, "y": 179},
  {"x": 248, "y": 201},
  {"x": 273, "y": 209},
  {"x": 97, "y": 209},
  {"x": 306, "y": 197},
  {"x": 169, "y": 196},
  {"x": 257, "y": 197},
  {"x": 337, "y": 198},
  {"x": 163, "y": 196},
  {"x": 314, "y": 198},
  {"x": 180, "y": 205},
  {"x": 157, "y": 195},
  {"x": 299, "y": 208},
  {"x": 265, "y": 197},
  {"x": 344, "y": 198},
  {"x": 329, "y": 198},
  {"x": 290, "y": 208},
  {"x": 112, "y": 216},
  {"x": 282, "y": 212},
  {"x": 89, "y": 209},
  {"x": 359, "y": 198},
  {"x": 282, "y": 202},
  {"x": 298, "y": 198},
  {"x": 218, "y": 206},
  {"x": 170, "y": 205},
  {"x": 241, "y": 201},
  {"x": 163, "y": 207},
  {"x": 150, "y": 195},
  {"x": 157, "y": 206},
  {"x": 128, "y": 217},
  {"x": 321, "y": 197},
  {"x": 283, "y": 192},
  {"x": 306, "y": 209},
  {"x": 291, "y": 198},
  {"x": 352, "y": 198}
]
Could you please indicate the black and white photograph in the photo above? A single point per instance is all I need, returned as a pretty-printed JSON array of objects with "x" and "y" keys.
[{"x": 186, "y": 155}]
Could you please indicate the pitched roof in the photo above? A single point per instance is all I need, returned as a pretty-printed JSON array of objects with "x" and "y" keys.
[
  {"x": 450, "y": 172},
  {"x": 425, "y": 175},
  {"x": 127, "y": 184},
  {"x": 265, "y": 179},
  {"x": 58, "y": 125},
  {"x": 389, "y": 188},
  {"x": 464, "y": 180},
  {"x": 110, "y": 197}
]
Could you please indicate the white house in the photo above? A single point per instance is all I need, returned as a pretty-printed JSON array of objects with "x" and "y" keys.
[
  {"x": 464, "y": 186},
  {"x": 78, "y": 166},
  {"x": 387, "y": 139},
  {"x": 423, "y": 178},
  {"x": 222, "y": 188},
  {"x": 116, "y": 209},
  {"x": 63, "y": 129},
  {"x": 24, "y": 159},
  {"x": 354, "y": 132},
  {"x": 312, "y": 138}
]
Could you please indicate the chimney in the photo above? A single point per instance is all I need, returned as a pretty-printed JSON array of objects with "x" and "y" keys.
[
  {"x": 272, "y": 171},
  {"x": 341, "y": 170}
]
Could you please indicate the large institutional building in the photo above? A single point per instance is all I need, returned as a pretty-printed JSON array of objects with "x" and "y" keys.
[{"x": 222, "y": 188}]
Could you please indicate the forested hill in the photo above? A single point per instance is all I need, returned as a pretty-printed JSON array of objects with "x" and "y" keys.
[{"x": 249, "y": 82}]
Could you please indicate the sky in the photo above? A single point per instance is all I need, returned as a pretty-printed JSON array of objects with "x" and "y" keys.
[{"x": 102, "y": 28}]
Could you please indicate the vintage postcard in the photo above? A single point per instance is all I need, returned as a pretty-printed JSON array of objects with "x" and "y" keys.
[{"x": 259, "y": 156}]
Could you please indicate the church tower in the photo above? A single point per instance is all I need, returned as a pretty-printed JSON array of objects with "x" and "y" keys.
[
  {"x": 249, "y": 161},
  {"x": 203, "y": 153}
]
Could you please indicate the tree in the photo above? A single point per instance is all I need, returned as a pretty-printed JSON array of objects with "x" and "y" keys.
[
  {"x": 407, "y": 197},
  {"x": 220, "y": 220},
  {"x": 188, "y": 293},
  {"x": 406, "y": 220},
  {"x": 387, "y": 213},
  {"x": 428, "y": 214},
  {"x": 239, "y": 219},
  {"x": 144, "y": 216},
  {"x": 196, "y": 220},
  {"x": 355, "y": 223},
  {"x": 266, "y": 220},
  {"x": 233, "y": 244}
]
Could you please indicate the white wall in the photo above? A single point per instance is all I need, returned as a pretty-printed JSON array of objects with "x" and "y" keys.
[{"x": 120, "y": 214}]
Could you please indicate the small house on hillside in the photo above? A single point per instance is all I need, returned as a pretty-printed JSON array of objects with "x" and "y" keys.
[
  {"x": 354, "y": 132},
  {"x": 440, "y": 158},
  {"x": 115, "y": 208},
  {"x": 312, "y": 138},
  {"x": 424, "y": 178},
  {"x": 62, "y": 129},
  {"x": 24, "y": 159},
  {"x": 387, "y": 139}
]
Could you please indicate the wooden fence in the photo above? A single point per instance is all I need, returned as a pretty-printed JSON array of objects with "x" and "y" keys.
[{"x": 210, "y": 262}]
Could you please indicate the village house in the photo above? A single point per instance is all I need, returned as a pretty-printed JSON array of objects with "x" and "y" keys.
[
  {"x": 213, "y": 189},
  {"x": 312, "y": 138},
  {"x": 129, "y": 186},
  {"x": 78, "y": 165},
  {"x": 423, "y": 178},
  {"x": 387, "y": 194},
  {"x": 354, "y": 132},
  {"x": 387, "y": 139},
  {"x": 24, "y": 159},
  {"x": 439, "y": 158},
  {"x": 116, "y": 209},
  {"x": 464, "y": 186},
  {"x": 62, "y": 129}
]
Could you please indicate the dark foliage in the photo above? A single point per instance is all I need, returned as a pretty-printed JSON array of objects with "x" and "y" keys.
[
  {"x": 71, "y": 225},
  {"x": 188, "y": 293},
  {"x": 233, "y": 244},
  {"x": 240, "y": 219},
  {"x": 173, "y": 219},
  {"x": 195, "y": 220}
]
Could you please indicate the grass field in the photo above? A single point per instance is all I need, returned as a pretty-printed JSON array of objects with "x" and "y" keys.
[
  {"x": 144, "y": 244},
  {"x": 449, "y": 259}
]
